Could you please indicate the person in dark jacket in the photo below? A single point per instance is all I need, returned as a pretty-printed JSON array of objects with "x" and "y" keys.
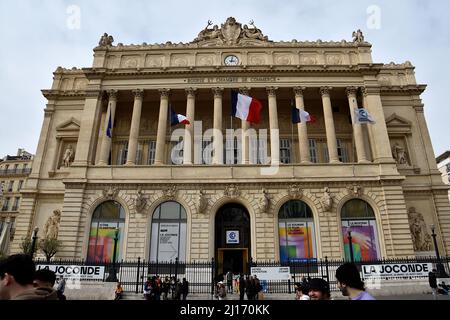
[
  {"x": 432, "y": 280},
  {"x": 16, "y": 280},
  {"x": 242, "y": 283},
  {"x": 184, "y": 289}
]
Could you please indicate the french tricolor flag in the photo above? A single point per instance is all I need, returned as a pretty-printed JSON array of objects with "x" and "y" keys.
[
  {"x": 245, "y": 107},
  {"x": 176, "y": 118}
]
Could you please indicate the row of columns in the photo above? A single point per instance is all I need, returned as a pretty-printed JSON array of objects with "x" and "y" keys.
[{"x": 218, "y": 140}]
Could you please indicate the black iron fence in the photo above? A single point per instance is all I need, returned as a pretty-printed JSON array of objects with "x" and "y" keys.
[{"x": 202, "y": 275}]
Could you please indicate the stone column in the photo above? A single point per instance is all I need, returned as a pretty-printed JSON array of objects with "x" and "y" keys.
[
  {"x": 380, "y": 142},
  {"x": 134, "y": 130},
  {"x": 162, "y": 126},
  {"x": 189, "y": 135},
  {"x": 303, "y": 142},
  {"x": 274, "y": 130},
  {"x": 218, "y": 135},
  {"x": 357, "y": 129},
  {"x": 245, "y": 125},
  {"x": 106, "y": 141},
  {"x": 329, "y": 125}
]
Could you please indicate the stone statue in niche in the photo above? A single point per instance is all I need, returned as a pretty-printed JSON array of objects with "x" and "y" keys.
[
  {"x": 68, "y": 156},
  {"x": 399, "y": 154},
  {"x": 266, "y": 201},
  {"x": 326, "y": 200},
  {"x": 51, "y": 227},
  {"x": 202, "y": 202},
  {"x": 421, "y": 237}
]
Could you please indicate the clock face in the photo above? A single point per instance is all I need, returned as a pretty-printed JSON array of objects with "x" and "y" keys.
[{"x": 231, "y": 60}]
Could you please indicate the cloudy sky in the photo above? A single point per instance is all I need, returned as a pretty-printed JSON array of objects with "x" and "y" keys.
[{"x": 38, "y": 36}]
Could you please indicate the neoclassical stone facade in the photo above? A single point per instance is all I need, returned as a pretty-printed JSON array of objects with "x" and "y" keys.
[{"x": 321, "y": 167}]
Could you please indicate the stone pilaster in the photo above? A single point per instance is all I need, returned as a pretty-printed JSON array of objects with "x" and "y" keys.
[
  {"x": 329, "y": 125},
  {"x": 189, "y": 135},
  {"x": 274, "y": 129},
  {"x": 106, "y": 141},
  {"x": 357, "y": 130},
  {"x": 162, "y": 126},
  {"x": 218, "y": 135},
  {"x": 134, "y": 130},
  {"x": 303, "y": 142}
]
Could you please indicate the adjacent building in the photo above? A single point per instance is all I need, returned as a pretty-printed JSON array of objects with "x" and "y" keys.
[
  {"x": 14, "y": 171},
  {"x": 443, "y": 164},
  {"x": 109, "y": 160}
]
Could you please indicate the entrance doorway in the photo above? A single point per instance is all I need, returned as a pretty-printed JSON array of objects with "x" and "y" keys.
[{"x": 232, "y": 239}]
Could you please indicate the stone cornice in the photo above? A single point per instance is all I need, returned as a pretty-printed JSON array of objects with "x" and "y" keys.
[
  {"x": 294, "y": 44},
  {"x": 407, "y": 90}
]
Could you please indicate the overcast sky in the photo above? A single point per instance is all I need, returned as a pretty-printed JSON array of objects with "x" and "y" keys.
[{"x": 38, "y": 36}]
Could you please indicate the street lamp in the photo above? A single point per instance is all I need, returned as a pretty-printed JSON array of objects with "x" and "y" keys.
[
  {"x": 440, "y": 267},
  {"x": 350, "y": 244},
  {"x": 33, "y": 242},
  {"x": 112, "y": 277}
]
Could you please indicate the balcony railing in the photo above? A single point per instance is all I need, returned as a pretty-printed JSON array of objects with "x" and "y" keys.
[{"x": 15, "y": 171}]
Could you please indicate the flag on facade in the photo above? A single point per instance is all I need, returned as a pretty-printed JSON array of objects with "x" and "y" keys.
[
  {"x": 363, "y": 116},
  {"x": 176, "y": 118},
  {"x": 109, "y": 128},
  {"x": 245, "y": 107},
  {"x": 299, "y": 116}
]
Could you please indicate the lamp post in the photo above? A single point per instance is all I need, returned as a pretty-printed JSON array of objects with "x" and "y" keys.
[
  {"x": 439, "y": 266},
  {"x": 350, "y": 244},
  {"x": 33, "y": 242},
  {"x": 112, "y": 277}
]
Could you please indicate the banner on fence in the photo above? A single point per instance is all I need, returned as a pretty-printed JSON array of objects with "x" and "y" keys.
[
  {"x": 398, "y": 270},
  {"x": 77, "y": 272},
  {"x": 272, "y": 273}
]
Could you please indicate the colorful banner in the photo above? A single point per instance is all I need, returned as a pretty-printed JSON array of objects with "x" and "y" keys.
[
  {"x": 296, "y": 240},
  {"x": 101, "y": 243},
  {"x": 364, "y": 239}
]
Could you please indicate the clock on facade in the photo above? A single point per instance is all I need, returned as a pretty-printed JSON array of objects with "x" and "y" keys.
[{"x": 231, "y": 60}]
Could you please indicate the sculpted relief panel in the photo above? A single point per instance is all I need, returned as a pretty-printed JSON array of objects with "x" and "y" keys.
[
  {"x": 130, "y": 61},
  {"x": 257, "y": 59},
  {"x": 154, "y": 61},
  {"x": 334, "y": 59},
  {"x": 179, "y": 60},
  {"x": 308, "y": 59},
  {"x": 205, "y": 59},
  {"x": 283, "y": 58}
]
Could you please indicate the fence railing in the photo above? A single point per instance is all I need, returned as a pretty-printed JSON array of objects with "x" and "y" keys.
[{"x": 202, "y": 275}]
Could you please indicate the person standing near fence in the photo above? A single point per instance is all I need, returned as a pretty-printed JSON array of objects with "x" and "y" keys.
[
  {"x": 184, "y": 289},
  {"x": 350, "y": 284},
  {"x": 432, "y": 280},
  {"x": 229, "y": 277}
]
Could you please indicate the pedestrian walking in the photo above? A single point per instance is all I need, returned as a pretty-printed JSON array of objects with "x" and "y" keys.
[{"x": 432, "y": 280}]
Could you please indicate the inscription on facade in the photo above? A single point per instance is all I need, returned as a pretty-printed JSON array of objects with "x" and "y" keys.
[{"x": 231, "y": 79}]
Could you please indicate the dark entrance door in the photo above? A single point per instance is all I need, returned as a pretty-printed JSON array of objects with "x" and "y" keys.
[{"x": 232, "y": 239}]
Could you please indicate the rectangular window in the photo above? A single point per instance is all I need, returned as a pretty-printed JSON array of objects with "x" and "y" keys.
[
  {"x": 176, "y": 154},
  {"x": 253, "y": 150},
  {"x": 206, "y": 152},
  {"x": 16, "y": 204},
  {"x": 285, "y": 151},
  {"x": 233, "y": 150},
  {"x": 139, "y": 154},
  {"x": 20, "y": 185},
  {"x": 123, "y": 152},
  {"x": 5, "y": 204},
  {"x": 342, "y": 151},
  {"x": 262, "y": 151},
  {"x": 326, "y": 156},
  {"x": 16, "y": 168},
  {"x": 151, "y": 152},
  {"x": 10, "y": 187},
  {"x": 313, "y": 151}
]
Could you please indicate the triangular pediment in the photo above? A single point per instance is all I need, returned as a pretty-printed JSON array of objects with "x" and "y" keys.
[
  {"x": 69, "y": 125},
  {"x": 397, "y": 121}
]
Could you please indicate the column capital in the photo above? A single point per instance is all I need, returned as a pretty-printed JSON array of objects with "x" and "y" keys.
[
  {"x": 325, "y": 91},
  {"x": 298, "y": 91},
  {"x": 351, "y": 91},
  {"x": 164, "y": 92},
  {"x": 138, "y": 93},
  {"x": 272, "y": 91},
  {"x": 112, "y": 94},
  {"x": 244, "y": 91},
  {"x": 217, "y": 92},
  {"x": 191, "y": 92}
]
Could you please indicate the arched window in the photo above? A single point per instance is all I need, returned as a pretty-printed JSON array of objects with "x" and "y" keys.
[
  {"x": 168, "y": 238},
  {"x": 107, "y": 218},
  {"x": 296, "y": 232},
  {"x": 358, "y": 218}
]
